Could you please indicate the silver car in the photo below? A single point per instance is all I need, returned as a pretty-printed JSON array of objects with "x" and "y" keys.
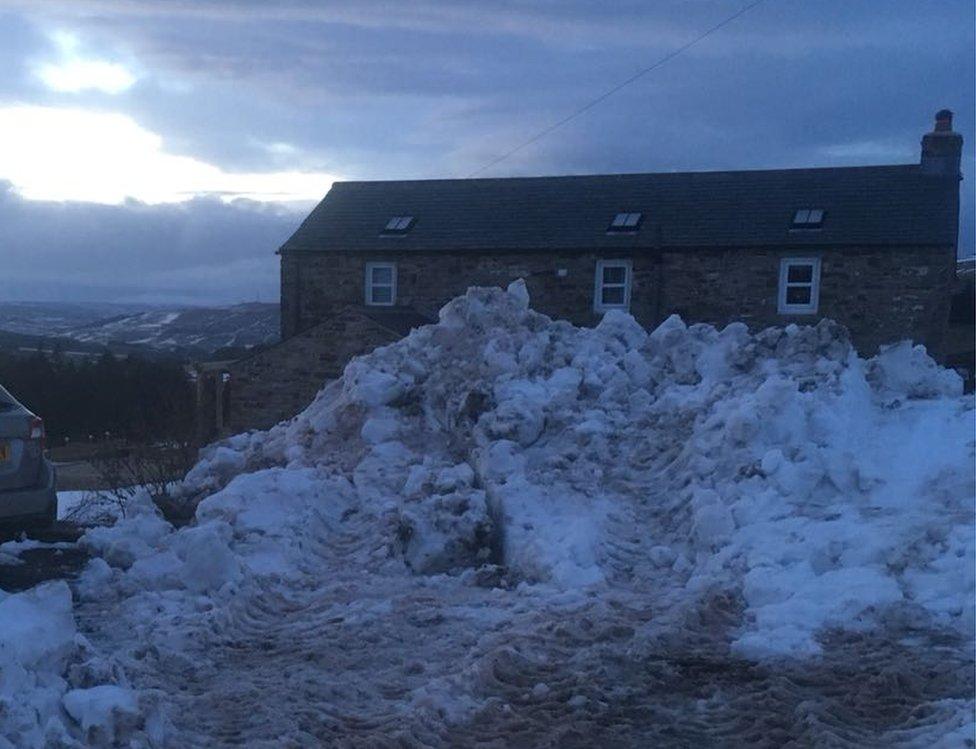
[{"x": 27, "y": 488}]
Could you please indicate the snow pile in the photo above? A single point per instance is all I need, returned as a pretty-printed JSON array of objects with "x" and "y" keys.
[
  {"x": 197, "y": 559},
  {"x": 544, "y": 467},
  {"x": 823, "y": 488}
]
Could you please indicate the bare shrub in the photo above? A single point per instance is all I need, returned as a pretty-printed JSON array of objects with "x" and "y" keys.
[
  {"x": 153, "y": 455},
  {"x": 128, "y": 469},
  {"x": 94, "y": 508}
]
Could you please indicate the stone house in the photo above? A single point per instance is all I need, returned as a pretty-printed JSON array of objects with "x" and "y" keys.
[{"x": 872, "y": 247}]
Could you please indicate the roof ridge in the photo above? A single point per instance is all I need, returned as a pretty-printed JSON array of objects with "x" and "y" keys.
[{"x": 605, "y": 175}]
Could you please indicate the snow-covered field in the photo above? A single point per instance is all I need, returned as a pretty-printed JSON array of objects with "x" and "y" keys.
[{"x": 508, "y": 531}]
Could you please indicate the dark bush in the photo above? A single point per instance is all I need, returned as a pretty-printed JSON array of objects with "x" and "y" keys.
[{"x": 129, "y": 398}]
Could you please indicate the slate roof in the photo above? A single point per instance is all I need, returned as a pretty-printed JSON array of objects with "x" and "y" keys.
[{"x": 874, "y": 205}]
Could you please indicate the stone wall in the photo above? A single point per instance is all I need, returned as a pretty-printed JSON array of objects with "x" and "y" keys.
[
  {"x": 881, "y": 294},
  {"x": 278, "y": 382}
]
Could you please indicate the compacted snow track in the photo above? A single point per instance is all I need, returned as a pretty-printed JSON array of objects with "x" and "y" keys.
[
  {"x": 350, "y": 653},
  {"x": 285, "y": 669}
]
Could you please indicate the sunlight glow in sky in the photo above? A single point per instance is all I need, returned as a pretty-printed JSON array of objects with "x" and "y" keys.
[
  {"x": 75, "y": 76},
  {"x": 74, "y": 73},
  {"x": 60, "y": 153}
]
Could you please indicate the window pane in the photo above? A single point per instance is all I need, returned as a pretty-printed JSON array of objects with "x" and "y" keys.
[
  {"x": 614, "y": 274},
  {"x": 382, "y": 275},
  {"x": 404, "y": 222},
  {"x": 816, "y": 216},
  {"x": 632, "y": 219},
  {"x": 382, "y": 294},
  {"x": 798, "y": 295},
  {"x": 613, "y": 295},
  {"x": 800, "y": 273},
  {"x": 801, "y": 217},
  {"x": 393, "y": 223},
  {"x": 619, "y": 220}
]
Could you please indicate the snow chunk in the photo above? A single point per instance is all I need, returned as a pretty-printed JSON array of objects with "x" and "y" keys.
[
  {"x": 37, "y": 633},
  {"x": 36, "y": 627},
  {"x": 99, "y": 708},
  {"x": 518, "y": 291},
  {"x": 907, "y": 370}
]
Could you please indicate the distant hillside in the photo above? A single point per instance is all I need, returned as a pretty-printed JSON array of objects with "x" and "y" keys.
[
  {"x": 55, "y": 318},
  {"x": 184, "y": 331},
  {"x": 22, "y": 343}
]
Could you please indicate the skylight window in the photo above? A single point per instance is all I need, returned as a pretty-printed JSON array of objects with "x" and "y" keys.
[
  {"x": 398, "y": 225},
  {"x": 626, "y": 222},
  {"x": 808, "y": 218}
]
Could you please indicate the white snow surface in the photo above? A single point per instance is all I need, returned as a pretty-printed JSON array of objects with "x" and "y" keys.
[
  {"x": 42, "y": 656},
  {"x": 97, "y": 708},
  {"x": 501, "y": 477},
  {"x": 37, "y": 634}
]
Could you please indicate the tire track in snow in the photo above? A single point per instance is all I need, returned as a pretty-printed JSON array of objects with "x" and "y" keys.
[{"x": 342, "y": 658}]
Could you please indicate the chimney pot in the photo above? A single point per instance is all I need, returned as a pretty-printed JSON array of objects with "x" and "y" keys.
[
  {"x": 943, "y": 121},
  {"x": 942, "y": 148}
]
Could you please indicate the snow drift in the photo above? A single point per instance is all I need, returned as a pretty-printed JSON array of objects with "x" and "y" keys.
[{"x": 499, "y": 449}]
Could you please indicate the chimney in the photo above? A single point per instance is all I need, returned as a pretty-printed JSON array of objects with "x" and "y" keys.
[{"x": 942, "y": 148}]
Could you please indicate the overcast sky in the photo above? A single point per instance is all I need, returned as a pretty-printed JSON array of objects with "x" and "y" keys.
[{"x": 161, "y": 150}]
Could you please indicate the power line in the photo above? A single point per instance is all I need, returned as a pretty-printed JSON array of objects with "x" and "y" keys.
[{"x": 607, "y": 94}]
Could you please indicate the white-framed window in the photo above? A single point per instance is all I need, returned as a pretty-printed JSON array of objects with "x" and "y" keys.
[
  {"x": 799, "y": 285},
  {"x": 381, "y": 281},
  {"x": 612, "y": 286}
]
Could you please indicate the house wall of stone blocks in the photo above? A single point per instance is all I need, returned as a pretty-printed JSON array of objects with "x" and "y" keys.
[
  {"x": 881, "y": 294},
  {"x": 278, "y": 382}
]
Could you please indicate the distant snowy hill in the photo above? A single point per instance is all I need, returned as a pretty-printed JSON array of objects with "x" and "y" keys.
[
  {"x": 195, "y": 331},
  {"x": 54, "y": 319}
]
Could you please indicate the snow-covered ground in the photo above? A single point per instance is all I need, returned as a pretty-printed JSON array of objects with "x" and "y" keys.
[
  {"x": 506, "y": 530},
  {"x": 96, "y": 507},
  {"x": 71, "y": 503}
]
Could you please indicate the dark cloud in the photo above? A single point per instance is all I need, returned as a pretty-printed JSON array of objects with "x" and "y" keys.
[
  {"x": 395, "y": 88},
  {"x": 380, "y": 89},
  {"x": 202, "y": 250}
]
